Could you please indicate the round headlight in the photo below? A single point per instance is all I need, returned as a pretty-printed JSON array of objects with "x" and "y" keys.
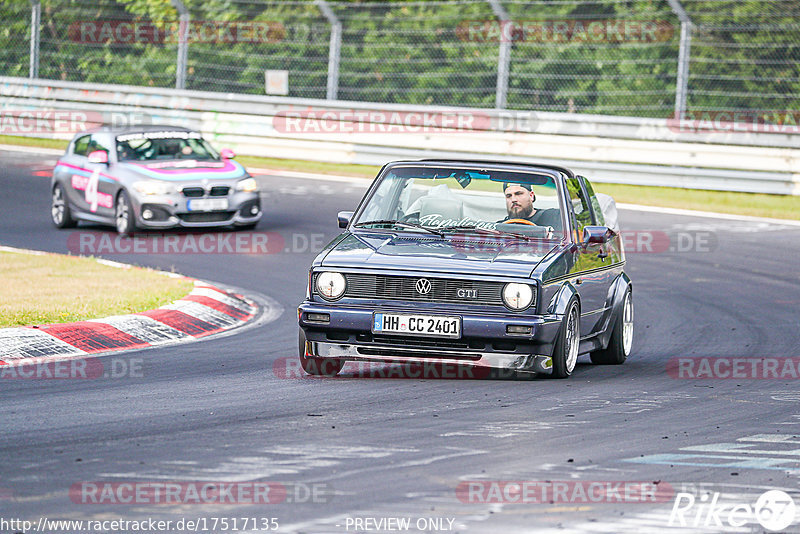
[
  {"x": 331, "y": 285},
  {"x": 517, "y": 296}
]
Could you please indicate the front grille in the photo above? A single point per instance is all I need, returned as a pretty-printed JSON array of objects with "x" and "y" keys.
[
  {"x": 419, "y": 342},
  {"x": 211, "y": 216},
  {"x": 400, "y": 352},
  {"x": 373, "y": 286},
  {"x": 193, "y": 192},
  {"x": 219, "y": 191}
]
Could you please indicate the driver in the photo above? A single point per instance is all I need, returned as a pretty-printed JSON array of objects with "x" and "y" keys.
[
  {"x": 519, "y": 204},
  {"x": 170, "y": 148}
]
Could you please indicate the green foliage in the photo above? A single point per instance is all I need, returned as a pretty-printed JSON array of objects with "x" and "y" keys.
[
  {"x": 14, "y": 37},
  {"x": 745, "y": 53}
]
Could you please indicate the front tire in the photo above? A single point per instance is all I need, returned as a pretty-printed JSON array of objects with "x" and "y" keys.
[
  {"x": 124, "y": 219},
  {"x": 317, "y": 366},
  {"x": 60, "y": 213},
  {"x": 565, "y": 352},
  {"x": 619, "y": 347}
]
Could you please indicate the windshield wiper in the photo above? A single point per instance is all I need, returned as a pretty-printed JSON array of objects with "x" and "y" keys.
[
  {"x": 492, "y": 231},
  {"x": 399, "y": 223}
]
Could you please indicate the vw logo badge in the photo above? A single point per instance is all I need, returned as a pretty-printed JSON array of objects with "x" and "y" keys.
[{"x": 423, "y": 286}]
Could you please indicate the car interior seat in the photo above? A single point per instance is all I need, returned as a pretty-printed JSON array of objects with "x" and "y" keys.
[{"x": 446, "y": 208}]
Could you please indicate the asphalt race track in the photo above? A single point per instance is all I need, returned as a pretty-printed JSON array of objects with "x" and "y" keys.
[{"x": 372, "y": 447}]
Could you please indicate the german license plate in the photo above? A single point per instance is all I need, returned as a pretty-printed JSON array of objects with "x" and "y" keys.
[
  {"x": 207, "y": 204},
  {"x": 416, "y": 325}
]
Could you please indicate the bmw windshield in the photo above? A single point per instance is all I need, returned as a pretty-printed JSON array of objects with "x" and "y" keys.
[
  {"x": 164, "y": 145},
  {"x": 437, "y": 200}
]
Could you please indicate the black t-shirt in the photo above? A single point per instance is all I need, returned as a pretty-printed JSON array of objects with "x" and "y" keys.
[{"x": 548, "y": 217}]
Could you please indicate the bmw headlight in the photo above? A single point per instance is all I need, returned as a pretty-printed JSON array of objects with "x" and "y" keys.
[
  {"x": 331, "y": 285},
  {"x": 153, "y": 187},
  {"x": 248, "y": 185},
  {"x": 517, "y": 296}
]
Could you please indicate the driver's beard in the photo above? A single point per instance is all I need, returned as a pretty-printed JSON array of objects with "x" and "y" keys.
[{"x": 520, "y": 212}]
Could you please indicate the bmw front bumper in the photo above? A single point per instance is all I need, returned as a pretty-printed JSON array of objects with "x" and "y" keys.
[{"x": 172, "y": 211}]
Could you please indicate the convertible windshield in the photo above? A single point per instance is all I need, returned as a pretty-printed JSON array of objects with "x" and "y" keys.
[
  {"x": 458, "y": 199},
  {"x": 166, "y": 145}
]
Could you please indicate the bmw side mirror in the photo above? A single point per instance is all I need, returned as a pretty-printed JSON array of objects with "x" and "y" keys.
[
  {"x": 344, "y": 218},
  {"x": 227, "y": 153},
  {"x": 596, "y": 235},
  {"x": 98, "y": 156}
]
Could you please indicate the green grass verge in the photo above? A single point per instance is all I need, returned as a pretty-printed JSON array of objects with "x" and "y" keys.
[
  {"x": 342, "y": 169},
  {"x": 70, "y": 288},
  {"x": 754, "y": 204},
  {"x": 758, "y": 205},
  {"x": 33, "y": 141}
]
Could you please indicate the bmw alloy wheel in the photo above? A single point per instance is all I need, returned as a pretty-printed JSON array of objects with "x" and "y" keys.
[
  {"x": 123, "y": 214},
  {"x": 58, "y": 206}
]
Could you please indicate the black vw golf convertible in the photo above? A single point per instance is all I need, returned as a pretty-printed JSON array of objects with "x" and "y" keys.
[{"x": 490, "y": 264}]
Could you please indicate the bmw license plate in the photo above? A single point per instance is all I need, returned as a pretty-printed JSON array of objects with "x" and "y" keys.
[
  {"x": 416, "y": 325},
  {"x": 207, "y": 204}
]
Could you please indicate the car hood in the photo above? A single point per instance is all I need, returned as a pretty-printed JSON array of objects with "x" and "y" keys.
[
  {"x": 465, "y": 254},
  {"x": 186, "y": 170}
]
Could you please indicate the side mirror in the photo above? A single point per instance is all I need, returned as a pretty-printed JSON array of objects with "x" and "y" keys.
[
  {"x": 596, "y": 235},
  {"x": 227, "y": 153},
  {"x": 344, "y": 218},
  {"x": 98, "y": 156}
]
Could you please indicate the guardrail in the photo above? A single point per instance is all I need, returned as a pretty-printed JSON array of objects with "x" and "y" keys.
[{"x": 693, "y": 154}]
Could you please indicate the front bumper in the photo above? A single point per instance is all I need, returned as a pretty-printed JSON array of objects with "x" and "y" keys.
[
  {"x": 483, "y": 342},
  {"x": 172, "y": 211}
]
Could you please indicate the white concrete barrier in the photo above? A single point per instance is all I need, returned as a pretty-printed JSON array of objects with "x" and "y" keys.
[{"x": 608, "y": 149}]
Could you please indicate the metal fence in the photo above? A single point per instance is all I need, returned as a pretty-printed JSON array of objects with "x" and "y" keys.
[{"x": 623, "y": 57}]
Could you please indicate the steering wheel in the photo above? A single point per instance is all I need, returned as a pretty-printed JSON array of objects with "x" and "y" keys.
[
  {"x": 410, "y": 217},
  {"x": 519, "y": 221}
]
